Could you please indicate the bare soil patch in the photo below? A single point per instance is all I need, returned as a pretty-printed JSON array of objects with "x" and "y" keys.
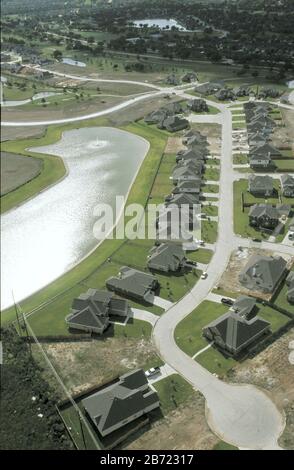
[
  {"x": 213, "y": 134},
  {"x": 87, "y": 363},
  {"x": 284, "y": 136},
  {"x": 271, "y": 370},
  {"x": 174, "y": 144},
  {"x": 182, "y": 429},
  {"x": 17, "y": 170},
  {"x": 13, "y": 133}
]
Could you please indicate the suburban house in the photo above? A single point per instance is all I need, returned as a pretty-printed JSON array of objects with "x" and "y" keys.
[
  {"x": 173, "y": 124},
  {"x": 225, "y": 94},
  {"x": 290, "y": 284},
  {"x": 256, "y": 139},
  {"x": 172, "y": 80},
  {"x": 183, "y": 199},
  {"x": 265, "y": 149},
  {"x": 186, "y": 173},
  {"x": 190, "y": 154},
  {"x": 260, "y": 185},
  {"x": 195, "y": 135},
  {"x": 189, "y": 77},
  {"x": 155, "y": 116},
  {"x": 121, "y": 402},
  {"x": 197, "y": 105},
  {"x": 188, "y": 187},
  {"x": 287, "y": 182},
  {"x": 133, "y": 283},
  {"x": 263, "y": 273},
  {"x": 208, "y": 88},
  {"x": 234, "y": 331},
  {"x": 245, "y": 306},
  {"x": 261, "y": 162},
  {"x": 241, "y": 91},
  {"x": 92, "y": 310},
  {"x": 263, "y": 216},
  {"x": 167, "y": 257},
  {"x": 174, "y": 108}
]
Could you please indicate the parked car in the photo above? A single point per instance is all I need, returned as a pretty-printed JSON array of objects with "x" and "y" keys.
[
  {"x": 291, "y": 236},
  {"x": 226, "y": 301},
  {"x": 256, "y": 240},
  {"x": 204, "y": 275},
  {"x": 153, "y": 371}
]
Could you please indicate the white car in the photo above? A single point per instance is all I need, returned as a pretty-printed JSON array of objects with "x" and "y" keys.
[
  {"x": 153, "y": 371},
  {"x": 204, "y": 275}
]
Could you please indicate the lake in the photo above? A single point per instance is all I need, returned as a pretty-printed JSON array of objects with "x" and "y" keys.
[
  {"x": 160, "y": 23},
  {"x": 49, "y": 234}
]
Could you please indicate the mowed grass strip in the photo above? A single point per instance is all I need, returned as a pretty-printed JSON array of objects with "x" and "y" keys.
[{"x": 173, "y": 391}]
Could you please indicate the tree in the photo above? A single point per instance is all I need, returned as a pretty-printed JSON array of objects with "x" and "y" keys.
[{"x": 57, "y": 54}]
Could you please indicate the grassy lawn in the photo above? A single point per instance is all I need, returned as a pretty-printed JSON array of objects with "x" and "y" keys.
[
  {"x": 239, "y": 125},
  {"x": 275, "y": 318},
  {"x": 210, "y": 188},
  {"x": 222, "y": 445},
  {"x": 212, "y": 174},
  {"x": 173, "y": 288},
  {"x": 215, "y": 362},
  {"x": 210, "y": 210},
  {"x": 236, "y": 117},
  {"x": 188, "y": 333},
  {"x": 285, "y": 165},
  {"x": 240, "y": 159},
  {"x": 173, "y": 391},
  {"x": 201, "y": 256},
  {"x": 209, "y": 231}
]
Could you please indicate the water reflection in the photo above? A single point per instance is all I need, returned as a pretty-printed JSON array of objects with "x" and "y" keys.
[{"x": 50, "y": 233}]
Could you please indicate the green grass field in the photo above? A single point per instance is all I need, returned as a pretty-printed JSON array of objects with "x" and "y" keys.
[
  {"x": 209, "y": 231},
  {"x": 173, "y": 391}
]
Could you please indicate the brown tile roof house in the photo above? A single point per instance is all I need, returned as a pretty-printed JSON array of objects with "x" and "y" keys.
[
  {"x": 263, "y": 216},
  {"x": 133, "y": 283},
  {"x": 236, "y": 330},
  {"x": 263, "y": 273},
  {"x": 121, "y": 402},
  {"x": 167, "y": 257},
  {"x": 287, "y": 182},
  {"x": 92, "y": 310},
  {"x": 260, "y": 185}
]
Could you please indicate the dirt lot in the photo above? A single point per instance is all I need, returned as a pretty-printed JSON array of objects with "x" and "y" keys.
[
  {"x": 17, "y": 170},
  {"x": 285, "y": 135},
  {"x": 174, "y": 144},
  {"x": 271, "y": 370},
  {"x": 213, "y": 134},
  {"x": 229, "y": 280},
  {"x": 182, "y": 429},
  {"x": 12, "y": 133},
  {"x": 86, "y": 363}
]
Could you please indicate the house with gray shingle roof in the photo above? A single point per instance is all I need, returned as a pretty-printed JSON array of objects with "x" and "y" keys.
[
  {"x": 259, "y": 185},
  {"x": 235, "y": 331},
  {"x": 167, "y": 257},
  {"x": 196, "y": 136},
  {"x": 155, "y": 116},
  {"x": 256, "y": 139},
  {"x": 245, "y": 306},
  {"x": 191, "y": 154},
  {"x": 183, "y": 199},
  {"x": 114, "y": 406},
  {"x": 133, "y": 283},
  {"x": 261, "y": 162},
  {"x": 187, "y": 173},
  {"x": 189, "y": 77},
  {"x": 263, "y": 273},
  {"x": 263, "y": 216},
  {"x": 287, "y": 183},
  {"x": 188, "y": 187},
  {"x": 172, "y": 80},
  {"x": 173, "y": 124},
  {"x": 265, "y": 149},
  {"x": 197, "y": 105},
  {"x": 92, "y": 310}
]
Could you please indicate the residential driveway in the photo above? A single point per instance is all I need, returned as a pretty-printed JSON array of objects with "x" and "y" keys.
[
  {"x": 163, "y": 303},
  {"x": 144, "y": 315}
]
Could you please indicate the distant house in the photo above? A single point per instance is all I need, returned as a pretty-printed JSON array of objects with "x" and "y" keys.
[
  {"x": 263, "y": 216},
  {"x": 174, "y": 108},
  {"x": 233, "y": 332},
  {"x": 173, "y": 124},
  {"x": 187, "y": 173},
  {"x": 268, "y": 93},
  {"x": 241, "y": 91},
  {"x": 256, "y": 139},
  {"x": 208, "y": 88},
  {"x": 189, "y": 77},
  {"x": 167, "y": 257},
  {"x": 225, "y": 94},
  {"x": 183, "y": 199},
  {"x": 198, "y": 106},
  {"x": 196, "y": 136},
  {"x": 156, "y": 116},
  {"x": 92, "y": 310},
  {"x": 191, "y": 154},
  {"x": 120, "y": 403},
  {"x": 172, "y": 80},
  {"x": 290, "y": 284},
  {"x": 287, "y": 182},
  {"x": 263, "y": 273},
  {"x": 261, "y": 162},
  {"x": 188, "y": 187},
  {"x": 133, "y": 283},
  {"x": 260, "y": 185},
  {"x": 266, "y": 149}
]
